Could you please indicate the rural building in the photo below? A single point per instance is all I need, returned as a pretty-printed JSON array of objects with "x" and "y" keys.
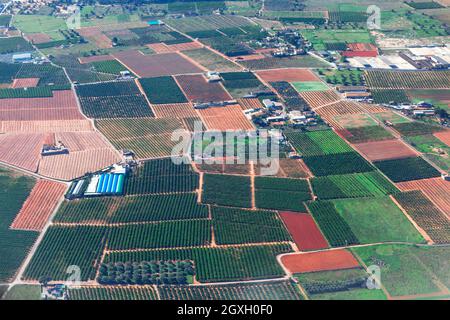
[
  {"x": 22, "y": 57},
  {"x": 361, "y": 50}
]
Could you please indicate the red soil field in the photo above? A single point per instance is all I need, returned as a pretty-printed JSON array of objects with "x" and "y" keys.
[
  {"x": 197, "y": 89},
  {"x": 38, "y": 38},
  {"x": 385, "y": 150},
  {"x": 22, "y": 150},
  {"x": 39, "y": 206},
  {"x": 96, "y": 35},
  {"x": 225, "y": 118},
  {"x": 176, "y": 110},
  {"x": 105, "y": 57},
  {"x": 45, "y": 126},
  {"x": 304, "y": 230},
  {"x": 76, "y": 164},
  {"x": 252, "y": 103},
  {"x": 62, "y": 106},
  {"x": 159, "y": 48},
  {"x": 289, "y": 75},
  {"x": 156, "y": 65},
  {"x": 25, "y": 83},
  {"x": 436, "y": 189},
  {"x": 249, "y": 57},
  {"x": 320, "y": 261},
  {"x": 444, "y": 136}
]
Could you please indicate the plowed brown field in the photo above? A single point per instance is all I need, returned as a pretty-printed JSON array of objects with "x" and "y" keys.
[
  {"x": 45, "y": 126},
  {"x": 106, "y": 57},
  {"x": 252, "y": 103},
  {"x": 21, "y": 150},
  {"x": 157, "y": 64},
  {"x": 289, "y": 75},
  {"x": 225, "y": 118},
  {"x": 320, "y": 98},
  {"x": 304, "y": 230},
  {"x": 385, "y": 150},
  {"x": 39, "y": 206},
  {"x": 197, "y": 89},
  {"x": 25, "y": 83},
  {"x": 62, "y": 106},
  {"x": 320, "y": 261},
  {"x": 444, "y": 136}
]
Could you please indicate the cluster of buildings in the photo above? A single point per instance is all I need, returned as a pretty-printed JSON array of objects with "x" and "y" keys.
[{"x": 286, "y": 43}]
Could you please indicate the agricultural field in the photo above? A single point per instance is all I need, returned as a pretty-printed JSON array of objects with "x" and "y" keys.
[
  {"x": 15, "y": 44},
  {"x": 358, "y": 185},
  {"x": 426, "y": 215},
  {"x": 238, "y": 226},
  {"x": 14, "y": 244},
  {"x": 131, "y": 209},
  {"x": 146, "y": 137},
  {"x": 281, "y": 194},
  {"x": 304, "y": 230},
  {"x": 378, "y": 79},
  {"x": 367, "y": 134},
  {"x": 416, "y": 128},
  {"x": 407, "y": 169},
  {"x": 318, "y": 143},
  {"x": 343, "y": 77},
  {"x": 347, "y": 284},
  {"x": 310, "y": 86},
  {"x": 217, "y": 264},
  {"x": 198, "y": 90},
  {"x": 166, "y": 177},
  {"x": 276, "y": 290},
  {"x": 241, "y": 84},
  {"x": 211, "y": 60},
  {"x": 65, "y": 246},
  {"x": 109, "y": 293},
  {"x": 305, "y": 61},
  {"x": 385, "y": 150},
  {"x": 335, "y": 164},
  {"x": 227, "y": 190},
  {"x": 429, "y": 275},
  {"x": 433, "y": 149},
  {"x": 321, "y": 38},
  {"x": 170, "y": 94}
]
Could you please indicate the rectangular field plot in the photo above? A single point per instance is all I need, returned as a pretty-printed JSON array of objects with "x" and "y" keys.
[
  {"x": 146, "y": 137},
  {"x": 113, "y": 100},
  {"x": 61, "y": 105},
  {"x": 376, "y": 220},
  {"x": 310, "y": 86},
  {"x": 408, "y": 79},
  {"x": 211, "y": 22},
  {"x": 276, "y": 290},
  {"x": 162, "y": 176},
  {"x": 14, "y": 44},
  {"x": 288, "y": 75},
  {"x": 426, "y": 215},
  {"x": 156, "y": 65},
  {"x": 318, "y": 143},
  {"x": 436, "y": 189},
  {"x": 225, "y": 118},
  {"x": 431, "y": 266},
  {"x": 131, "y": 209},
  {"x": 305, "y": 61},
  {"x": 347, "y": 284},
  {"x": 385, "y": 150},
  {"x": 304, "y": 231},
  {"x": 227, "y": 190},
  {"x": 333, "y": 226},
  {"x": 211, "y": 61},
  {"x": 66, "y": 246},
  {"x": 162, "y": 90},
  {"x": 281, "y": 194},
  {"x": 14, "y": 244},
  {"x": 199, "y": 90},
  {"x": 39, "y": 206},
  {"x": 334, "y": 164},
  {"x": 241, "y": 84},
  {"x": 183, "y": 111},
  {"x": 369, "y": 184},
  {"x": 407, "y": 169},
  {"x": 110, "y": 293},
  {"x": 367, "y": 133},
  {"x": 320, "y": 261},
  {"x": 218, "y": 264},
  {"x": 416, "y": 128},
  {"x": 238, "y": 226},
  {"x": 170, "y": 234}
]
